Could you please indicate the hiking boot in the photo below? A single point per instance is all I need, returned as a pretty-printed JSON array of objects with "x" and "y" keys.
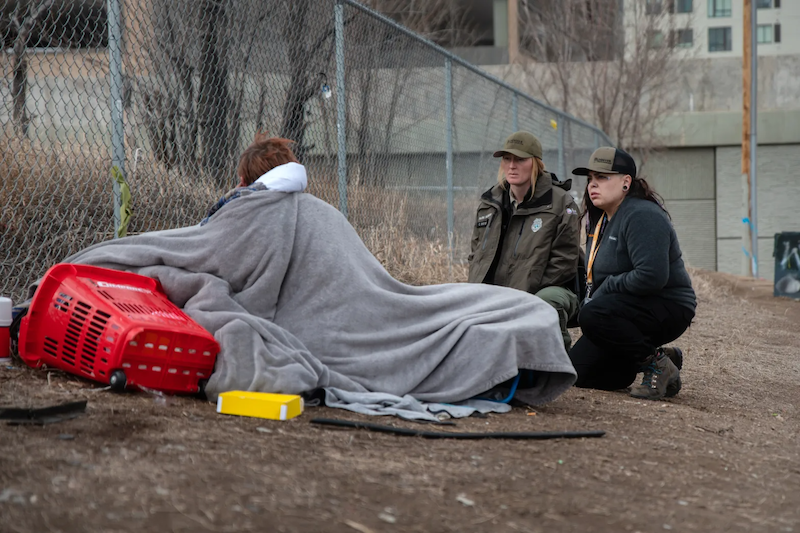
[
  {"x": 676, "y": 356},
  {"x": 659, "y": 374}
]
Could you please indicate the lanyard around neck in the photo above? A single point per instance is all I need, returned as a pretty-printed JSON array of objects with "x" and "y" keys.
[{"x": 598, "y": 233}]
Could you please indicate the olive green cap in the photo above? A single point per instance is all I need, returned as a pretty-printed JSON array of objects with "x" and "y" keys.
[{"x": 521, "y": 144}]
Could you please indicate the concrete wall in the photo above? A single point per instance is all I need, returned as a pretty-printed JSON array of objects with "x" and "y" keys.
[
  {"x": 685, "y": 179},
  {"x": 718, "y": 137},
  {"x": 703, "y": 190},
  {"x": 715, "y": 84},
  {"x": 777, "y": 202}
]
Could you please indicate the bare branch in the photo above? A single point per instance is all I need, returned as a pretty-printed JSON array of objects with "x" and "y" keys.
[{"x": 614, "y": 68}]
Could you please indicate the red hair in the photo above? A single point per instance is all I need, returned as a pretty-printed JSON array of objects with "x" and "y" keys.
[{"x": 263, "y": 155}]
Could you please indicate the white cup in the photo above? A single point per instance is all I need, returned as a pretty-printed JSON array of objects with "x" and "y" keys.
[{"x": 5, "y": 322}]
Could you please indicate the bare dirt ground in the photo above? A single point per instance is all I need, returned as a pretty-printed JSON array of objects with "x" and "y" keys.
[{"x": 723, "y": 455}]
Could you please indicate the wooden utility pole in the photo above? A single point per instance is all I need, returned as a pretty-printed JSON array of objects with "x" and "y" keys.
[
  {"x": 513, "y": 31},
  {"x": 747, "y": 263}
]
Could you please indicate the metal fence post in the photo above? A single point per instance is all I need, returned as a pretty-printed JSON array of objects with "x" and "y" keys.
[
  {"x": 562, "y": 125},
  {"x": 341, "y": 106},
  {"x": 448, "y": 89},
  {"x": 115, "y": 97},
  {"x": 515, "y": 110},
  {"x": 753, "y": 137},
  {"x": 596, "y": 141}
]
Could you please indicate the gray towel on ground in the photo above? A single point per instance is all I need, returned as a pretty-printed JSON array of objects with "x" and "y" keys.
[{"x": 381, "y": 404}]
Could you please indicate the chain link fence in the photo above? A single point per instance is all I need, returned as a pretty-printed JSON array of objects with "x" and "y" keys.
[{"x": 161, "y": 96}]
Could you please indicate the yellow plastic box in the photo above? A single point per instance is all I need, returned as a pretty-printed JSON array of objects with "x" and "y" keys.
[{"x": 260, "y": 404}]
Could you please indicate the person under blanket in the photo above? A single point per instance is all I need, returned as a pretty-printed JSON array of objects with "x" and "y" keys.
[
  {"x": 298, "y": 303},
  {"x": 255, "y": 170}
]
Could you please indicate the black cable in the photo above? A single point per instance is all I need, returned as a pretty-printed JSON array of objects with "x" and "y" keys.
[{"x": 445, "y": 435}]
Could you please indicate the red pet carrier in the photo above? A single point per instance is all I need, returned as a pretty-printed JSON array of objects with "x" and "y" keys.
[{"x": 116, "y": 328}]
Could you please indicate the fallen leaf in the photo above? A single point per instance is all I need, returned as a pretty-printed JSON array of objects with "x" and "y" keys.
[
  {"x": 463, "y": 500},
  {"x": 358, "y": 527}
]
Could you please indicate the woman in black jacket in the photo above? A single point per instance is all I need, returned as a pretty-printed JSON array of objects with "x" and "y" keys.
[{"x": 639, "y": 295}]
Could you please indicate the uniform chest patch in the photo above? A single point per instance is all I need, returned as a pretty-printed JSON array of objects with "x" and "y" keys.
[{"x": 537, "y": 225}]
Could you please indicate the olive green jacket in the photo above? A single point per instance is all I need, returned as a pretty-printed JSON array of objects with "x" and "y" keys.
[{"x": 539, "y": 242}]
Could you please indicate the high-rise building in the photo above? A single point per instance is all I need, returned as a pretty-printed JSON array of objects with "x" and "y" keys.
[{"x": 714, "y": 28}]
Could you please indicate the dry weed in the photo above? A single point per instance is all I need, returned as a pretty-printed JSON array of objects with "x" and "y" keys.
[{"x": 57, "y": 200}]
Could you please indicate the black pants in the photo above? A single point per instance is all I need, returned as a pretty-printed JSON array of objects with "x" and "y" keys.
[{"x": 620, "y": 333}]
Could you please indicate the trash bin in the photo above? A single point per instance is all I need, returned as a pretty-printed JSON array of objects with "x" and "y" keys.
[{"x": 787, "y": 264}]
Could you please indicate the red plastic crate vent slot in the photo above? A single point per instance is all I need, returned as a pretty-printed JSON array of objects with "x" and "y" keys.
[{"x": 83, "y": 323}]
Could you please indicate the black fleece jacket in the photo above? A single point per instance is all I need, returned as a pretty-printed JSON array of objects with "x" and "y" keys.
[{"x": 639, "y": 255}]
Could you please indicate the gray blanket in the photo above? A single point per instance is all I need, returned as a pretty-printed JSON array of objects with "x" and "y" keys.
[{"x": 297, "y": 302}]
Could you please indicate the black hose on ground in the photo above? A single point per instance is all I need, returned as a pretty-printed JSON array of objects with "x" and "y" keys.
[{"x": 542, "y": 435}]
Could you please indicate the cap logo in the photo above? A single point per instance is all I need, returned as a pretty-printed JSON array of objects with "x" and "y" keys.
[
  {"x": 514, "y": 141},
  {"x": 599, "y": 160}
]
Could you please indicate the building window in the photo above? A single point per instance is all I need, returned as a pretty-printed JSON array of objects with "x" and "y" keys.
[
  {"x": 763, "y": 4},
  {"x": 719, "y": 40},
  {"x": 777, "y": 33},
  {"x": 683, "y": 6},
  {"x": 719, "y": 8},
  {"x": 682, "y": 38},
  {"x": 655, "y": 39},
  {"x": 653, "y": 7},
  {"x": 764, "y": 34}
]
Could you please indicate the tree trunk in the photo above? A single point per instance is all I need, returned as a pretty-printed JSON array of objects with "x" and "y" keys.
[
  {"x": 293, "y": 122},
  {"x": 214, "y": 102},
  {"x": 19, "y": 84},
  {"x": 363, "y": 133},
  {"x": 19, "y": 88}
]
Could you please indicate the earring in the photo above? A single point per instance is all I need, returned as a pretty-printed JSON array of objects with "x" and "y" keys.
[{"x": 624, "y": 187}]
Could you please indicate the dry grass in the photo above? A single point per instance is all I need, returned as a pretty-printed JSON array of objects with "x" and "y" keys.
[
  {"x": 395, "y": 239},
  {"x": 735, "y": 340},
  {"x": 57, "y": 200}
]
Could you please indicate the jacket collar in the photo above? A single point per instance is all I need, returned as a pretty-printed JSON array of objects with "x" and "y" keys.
[{"x": 289, "y": 177}]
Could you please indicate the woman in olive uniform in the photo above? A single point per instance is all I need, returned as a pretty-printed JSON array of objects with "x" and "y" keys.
[{"x": 527, "y": 230}]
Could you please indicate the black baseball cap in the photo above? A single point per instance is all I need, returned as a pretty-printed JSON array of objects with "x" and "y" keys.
[{"x": 609, "y": 160}]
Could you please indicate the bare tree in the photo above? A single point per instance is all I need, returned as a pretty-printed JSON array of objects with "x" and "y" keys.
[
  {"x": 445, "y": 22},
  {"x": 309, "y": 46},
  {"x": 191, "y": 112},
  {"x": 616, "y": 68},
  {"x": 27, "y": 24},
  {"x": 205, "y": 55},
  {"x": 214, "y": 99},
  {"x": 386, "y": 63},
  {"x": 24, "y": 19},
  {"x": 209, "y": 57}
]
